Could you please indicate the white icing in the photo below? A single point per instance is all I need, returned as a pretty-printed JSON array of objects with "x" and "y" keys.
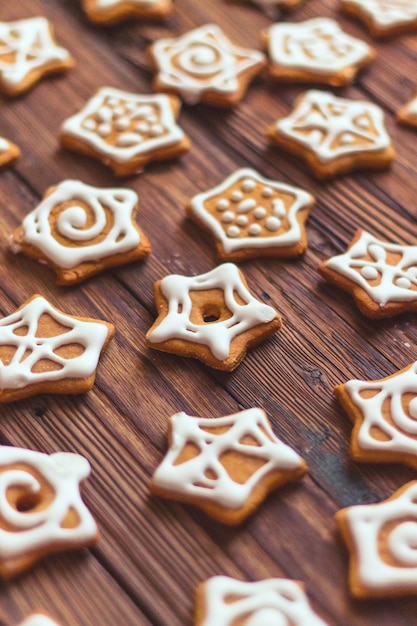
[
  {"x": 202, "y": 60},
  {"x": 31, "y": 45},
  {"x": 368, "y": 524},
  {"x": 386, "y": 13},
  {"x": 70, "y": 224},
  {"x": 191, "y": 477},
  {"x": 130, "y": 144},
  {"x": 4, "y": 145},
  {"x": 271, "y": 602},
  {"x": 38, "y": 619},
  {"x": 321, "y": 120},
  {"x": 395, "y": 280},
  {"x": 36, "y": 530},
  {"x": 388, "y": 394},
  {"x": 105, "y": 4},
  {"x": 259, "y": 235},
  {"x": 31, "y": 348},
  {"x": 217, "y": 336},
  {"x": 316, "y": 45}
]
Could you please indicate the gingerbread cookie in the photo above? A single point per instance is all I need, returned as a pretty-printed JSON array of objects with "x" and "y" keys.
[
  {"x": 113, "y": 11},
  {"x": 316, "y": 50},
  {"x": 8, "y": 152},
  {"x": 80, "y": 230},
  {"x": 39, "y": 619},
  {"x": 334, "y": 135},
  {"x": 125, "y": 130},
  {"x": 384, "y": 17},
  {"x": 384, "y": 414},
  {"x": 381, "y": 541},
  {"x": 212, "y": 317},
  {"x": 43, "y": 350},
  {"x": 226, "y": 466},
  {"x": 224, "y": 601},
  {"x": 381, "y": 276},
  {"x": 42, "y": 511},
  {"x": 407, "y": 114},
  {"x": 204, "y": 66},
  {"x": 28, "y": 51},
  {"x": 249, "y": 216}
]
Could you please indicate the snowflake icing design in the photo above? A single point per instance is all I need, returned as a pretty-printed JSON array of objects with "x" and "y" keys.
[
  {"x": 263, "y": 603},
  {"x": 332, "y": 127}
]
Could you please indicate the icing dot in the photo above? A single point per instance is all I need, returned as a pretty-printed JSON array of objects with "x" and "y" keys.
[
  {"x": 228, "y": 216},
  {"x": 156, "y": 130},
  {"x": 267, "y": 192},
  {"x": 233, "y": 231},
  {"x": 118, "y": 111},
  {"x": 347, "y": 138},
  {"x": 273, "y": 223},
  {"x": 222, "y": 204},
  {"x": 143, "y": 111},
  {"x": 152, "y": 118},
  {"x": 113, "y": 102},
  {"x": 369, "y": 272},
  {"x": 236, "y": 196},
  {"x": 142, "y": 127},
  {"x": 337, "y": 110},
  {"x": 279, "y": 208},
  {"x": 131, "y": 106},
  {"x": 403, "y": 282},
  {"x": 242, "y": 220},
  {"x": 104, "y": 114},
  {"x": 122, "y": 123},
  {"x": 90, "y": 124},
  {"x": 246, "y": 205},
  {"x": 248, "y": 185},
  {"x": 412, "y": 408},
  {"x": 362, "y": 121},
  {"x": 104, "y": 130},
  {"x": 259, "y": 212},
  {"x": 254, "y": 229}
]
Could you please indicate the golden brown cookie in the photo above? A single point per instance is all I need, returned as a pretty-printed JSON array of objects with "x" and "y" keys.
[
  {"x": 80, "y": 230},
  {"x": 249, "y": 216},
  {"x": 113, "y": 11},
  {"x": 9, "y": 152},
  {"x": 44, "y": 511},
  {"x": 43, "y": 350},
  {"x": 407, "y": 114},
  {"x": 28, "y": 52},
  {"x": 381, "y": 541},
  {"x": 316, "y": 50},
  {"x": 334, "y": 135},
  {"x": 381, "y": 276},
  {"x": 226, "y": 466},
  {"x": 125, "y": 130},
  {"x": 384, "y": 18},
  {"x": 204, "y": 66},
  {"x": 212, "y": 317},
  {"x": 224, "y": 601}
]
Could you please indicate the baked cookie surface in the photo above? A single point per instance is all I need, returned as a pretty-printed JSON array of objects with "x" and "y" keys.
[
  {"x": 250, "y": 216},
  {"x": 226, "y": 465},
  {"x": 113, "y": 11},
  {"x": 212, "y": 317},
  {"x": 80, "y": 230},
  {"x": 125, "y": 130},
  {"x": 9, "y": 152}
]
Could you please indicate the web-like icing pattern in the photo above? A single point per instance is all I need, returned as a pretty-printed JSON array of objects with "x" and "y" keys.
[
  {"x": 332, "y": 127},
  {"x": 124, "y": 125},
  {"x": 31, "y": 45},
  {"x": 386, "y": 13},
  {"x": 256, "y": 213},
  {"x": 389, "y": 412},
  {"x": 58, "y": 226},
  {"x": 203, "y": 60},
  {"x": 204, "y": 475},
  {"x": 38, "y": 619},
  {"x": 246, "y": 313},
  {"x": 272, "y": 602},
  {"x": 386, "y": 271},
  {"x": 317, "y": 45},
  {"x": 20, "y": 331},
  {"x": 42, "y": 526},
  {"x": 385, "y": 537}
]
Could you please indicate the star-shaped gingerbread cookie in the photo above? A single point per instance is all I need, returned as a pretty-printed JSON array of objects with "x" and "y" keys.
[
  {"x": 223, "y": 601},
  {"x": 113, "y": 11},
  {"x": 316, "y": 50},
  {"x": 249, "y": 216},
  {"x": 407, "y": 114},
  {"x": 334, "y": 135},
  {"x": 381, "y": 541},
  {"x": 381, "y": 276},
  {"x": 126, "y": 130},
  {"x": 226, "y": 465},
  {"x": 384, "y": 17},
  {"x": 9, "y": 152},
  {"x": 43, "y": 350},
  {"x": 204, "y": 66},
  {"x": 80, "y": 230},
  {"x": 212, "y": 317},
  {"x": 42, "y": 511},
  {"x": 28, "y": 52}
]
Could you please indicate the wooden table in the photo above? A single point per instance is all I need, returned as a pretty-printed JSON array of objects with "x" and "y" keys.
[{"x": 153, "y": 553}]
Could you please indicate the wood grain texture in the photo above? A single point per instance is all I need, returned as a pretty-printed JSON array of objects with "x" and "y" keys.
[{"x": 153, "y": 553}]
